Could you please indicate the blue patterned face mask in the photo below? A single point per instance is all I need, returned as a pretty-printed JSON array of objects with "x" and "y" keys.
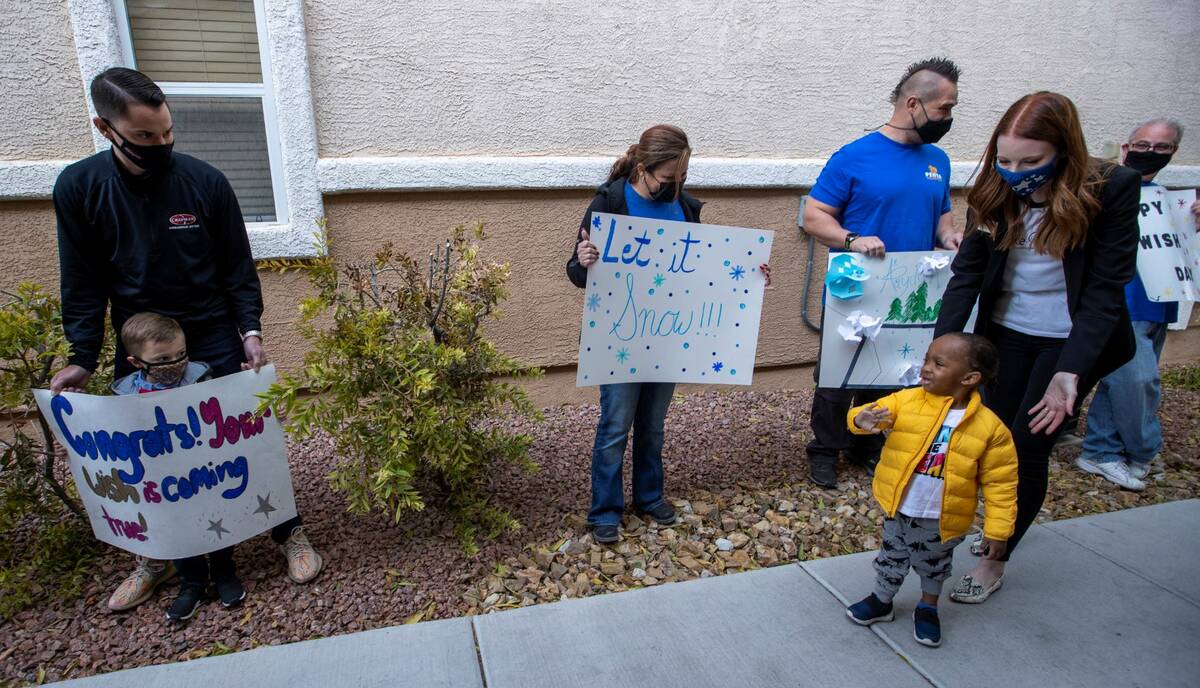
[{"x": 1026, "y": 182}]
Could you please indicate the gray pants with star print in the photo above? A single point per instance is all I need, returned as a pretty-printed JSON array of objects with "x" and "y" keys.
[{"x": 912, "y": 543}]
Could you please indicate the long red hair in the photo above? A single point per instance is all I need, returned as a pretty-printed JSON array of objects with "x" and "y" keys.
[{"x": 1073, "y": 201}]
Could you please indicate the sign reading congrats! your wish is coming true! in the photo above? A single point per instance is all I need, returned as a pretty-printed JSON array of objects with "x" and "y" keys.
[
  {"x": 180, "y": 472},
  {"x": 671, "y": 302}
]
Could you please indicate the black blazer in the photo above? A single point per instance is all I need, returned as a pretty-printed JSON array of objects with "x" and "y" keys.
[
  {"x": 610, "y": 198},
  {"x": 1101, "y": 338}
]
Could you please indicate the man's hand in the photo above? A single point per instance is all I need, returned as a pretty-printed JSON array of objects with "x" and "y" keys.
[
  {"x": 765, "y": 269},
  {"x": 256, "y": 356},
  {"x": 586, "y": 252},
  {"x": 1196, "y": 214},
  {"x": 73, "y": 378},
  {"x": 994, "y": 549},
  {"x": 868, "y": 246},
  {"x": 873, "y": 417}
]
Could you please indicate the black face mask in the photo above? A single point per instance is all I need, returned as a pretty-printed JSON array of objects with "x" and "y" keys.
[
  {"x": 1147, "y": 162},
  {"x": 931, "y": 131},
  {"x": 152, "y": 159},
  {"x": 667, "y": 191}
]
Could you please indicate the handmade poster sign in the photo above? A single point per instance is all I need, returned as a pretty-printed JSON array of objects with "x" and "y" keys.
[
  {"x": 1168, "y": 262},
  {"x": 180, "y": 472},
  {"x": 671, "y": 302},
  {"x": 875, "y": 334}
]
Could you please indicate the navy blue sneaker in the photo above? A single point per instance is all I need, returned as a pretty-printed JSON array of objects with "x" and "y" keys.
[
  {"x": 663, "y": 513},
  {"x": 926, "y": 627},
  {"x": 870, "y": 610},
  {"x": 606, "y": 533}
]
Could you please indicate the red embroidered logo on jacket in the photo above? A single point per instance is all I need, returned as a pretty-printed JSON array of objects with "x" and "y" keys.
[{"x": 181, "y": 219}]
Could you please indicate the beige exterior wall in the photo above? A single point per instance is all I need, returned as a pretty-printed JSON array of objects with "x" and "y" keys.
[
  {"x": 764, "y": 79},
  {"x": 42, "y": 107}
]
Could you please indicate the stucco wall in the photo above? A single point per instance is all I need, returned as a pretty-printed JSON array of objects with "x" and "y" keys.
[
  {"x": 772, "y": 79},
  {"x": 42, "y": 108}
]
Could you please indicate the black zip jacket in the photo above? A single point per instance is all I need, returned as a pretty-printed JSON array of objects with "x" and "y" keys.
[
  {"x": 1101, "y": 338},
  {"x": 610, "y": 198},
  {"x": 175, "y": 244}
]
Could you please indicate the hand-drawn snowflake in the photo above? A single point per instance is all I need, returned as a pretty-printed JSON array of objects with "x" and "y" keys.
[
  {"x": 718, "y": 366},
  {"x": 905, "y": 350},
  {"x": 658, "y": 280},
  {"x": 593, "y": 302},
  {"x": 622, "y": 355},
  {"x": 596, "y": 222},
  {"x": 737, "y": 273}
]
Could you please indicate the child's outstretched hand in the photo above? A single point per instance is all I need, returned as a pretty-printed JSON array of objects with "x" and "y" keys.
[
  {"x": 994, "y": 549},
  {"x": 873, "y": 417}
]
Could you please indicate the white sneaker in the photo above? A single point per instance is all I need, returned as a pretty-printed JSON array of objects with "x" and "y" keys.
[{"x": 1116, "y": 472}]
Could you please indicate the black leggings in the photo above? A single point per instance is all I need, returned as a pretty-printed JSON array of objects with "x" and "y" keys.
[{"x": 1026, "y": 367}]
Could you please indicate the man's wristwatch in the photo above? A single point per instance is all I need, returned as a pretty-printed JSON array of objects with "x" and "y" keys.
[
  {"x": 850, "y": 237},
  {"x": 252, "y": 333}
]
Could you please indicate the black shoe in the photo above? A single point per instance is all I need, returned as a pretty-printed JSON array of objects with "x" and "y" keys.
[
  {"x": 927, "y": 629},
  {"x": 606, "y": 534},
  {"x": 189, "y": 599},
  {"x": 231, "y": 592},
  {"x": 870, "y": 610},
  {"x": 822, "y": 472},
  {"x": 663, "y": 513}
]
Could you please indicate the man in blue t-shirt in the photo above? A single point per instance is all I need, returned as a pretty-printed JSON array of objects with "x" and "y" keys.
[
  {"x": 887, "y": 191},
  {"x": 1123, "y": 432}
]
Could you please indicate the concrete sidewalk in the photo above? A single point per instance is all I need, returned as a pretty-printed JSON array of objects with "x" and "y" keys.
[{"x": 1104, "y": 600}]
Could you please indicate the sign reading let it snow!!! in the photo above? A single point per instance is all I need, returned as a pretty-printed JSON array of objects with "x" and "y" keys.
[
  {"x": 180, "y": 472},
  {"x": 671, "y": 302}
]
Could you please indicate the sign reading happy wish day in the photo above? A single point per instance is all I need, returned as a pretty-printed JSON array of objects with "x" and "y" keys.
[
  {"x": 180, "y": 472},
  {"x": 671, "y": 302},
  {"x": 1168, "y": 260}
]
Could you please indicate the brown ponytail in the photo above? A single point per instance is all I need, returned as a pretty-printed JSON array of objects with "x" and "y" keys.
[{"x": 657, "y": 145}]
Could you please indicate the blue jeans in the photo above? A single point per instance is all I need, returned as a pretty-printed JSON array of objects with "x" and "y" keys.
[
  {"x": 1122, "y": 422},
  {"x": 642, "y": 405}
]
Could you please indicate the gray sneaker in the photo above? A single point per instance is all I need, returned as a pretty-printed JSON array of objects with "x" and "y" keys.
[
  {"x": 1116, "y": 472},
  {"x": 1140, "y": 470}
]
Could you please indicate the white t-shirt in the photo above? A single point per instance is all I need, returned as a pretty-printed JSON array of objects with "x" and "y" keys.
[
  {"x": 1033, "y": 297},
  {"x": 923, "y": 495}
]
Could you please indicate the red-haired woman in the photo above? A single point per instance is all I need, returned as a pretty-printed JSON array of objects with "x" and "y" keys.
[
  {"x": 647, "y": 181},
  {"x": 1055, "y": 243}
]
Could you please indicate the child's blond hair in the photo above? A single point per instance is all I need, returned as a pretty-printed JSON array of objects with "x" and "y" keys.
[{"x": 148, "y": 327}]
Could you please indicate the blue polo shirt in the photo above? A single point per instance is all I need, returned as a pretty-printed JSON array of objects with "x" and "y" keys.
[
  {"x": 1140, "y": 305},
  {"x": 890, "y": 190}
]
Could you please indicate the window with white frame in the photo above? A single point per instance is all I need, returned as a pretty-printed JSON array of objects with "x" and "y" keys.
[{"x": 212, "y": 60}]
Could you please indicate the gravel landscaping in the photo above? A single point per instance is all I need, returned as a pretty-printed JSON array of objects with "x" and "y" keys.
[{"x": 735, "y": 469}]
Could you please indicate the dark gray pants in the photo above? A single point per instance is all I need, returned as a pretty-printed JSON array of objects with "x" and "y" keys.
[{"x": 912, "y": 543}]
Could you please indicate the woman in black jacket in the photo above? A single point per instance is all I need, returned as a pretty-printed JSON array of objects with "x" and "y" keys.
[{"x": 1055, "y": 244}]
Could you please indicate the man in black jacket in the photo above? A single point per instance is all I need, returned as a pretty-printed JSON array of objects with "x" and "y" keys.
[{"x": 144, "y": 229}]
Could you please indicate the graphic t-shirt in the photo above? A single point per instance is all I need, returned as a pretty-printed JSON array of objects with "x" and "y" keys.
[
  {"x": 923, "y": 496},
  {"x": 890, "y": 190}
]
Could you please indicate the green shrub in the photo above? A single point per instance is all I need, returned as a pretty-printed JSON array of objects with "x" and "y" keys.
[
  {"x": 1182, "y": 377},
  {"x": 45, "y": 540},
  {"x": 402, "y": 378}
]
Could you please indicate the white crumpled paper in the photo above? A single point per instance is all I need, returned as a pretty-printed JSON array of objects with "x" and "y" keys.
[
  {"x": 910, "y": 374},
  {"x": 859, "y": 325},
  {"x": 931, "y": 264}
]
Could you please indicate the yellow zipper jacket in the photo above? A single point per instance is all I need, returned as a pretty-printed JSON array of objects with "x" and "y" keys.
[{"x": 981, "y": 455}]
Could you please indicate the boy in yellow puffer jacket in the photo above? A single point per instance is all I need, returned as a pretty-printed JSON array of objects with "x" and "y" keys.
[{"x": 944, "y": 446}]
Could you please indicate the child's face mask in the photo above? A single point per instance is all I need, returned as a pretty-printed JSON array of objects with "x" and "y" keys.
[{"x": 165, "y": 373}]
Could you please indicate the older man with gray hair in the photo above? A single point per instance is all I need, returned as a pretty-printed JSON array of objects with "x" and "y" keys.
[{"x": 1123, "y": 433}]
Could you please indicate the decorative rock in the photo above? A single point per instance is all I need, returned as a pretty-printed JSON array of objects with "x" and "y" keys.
[
  {"x": 638, "y": 574},
  {"x": 724, "y": 544},
  {"x": 739, "y": 539}
]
